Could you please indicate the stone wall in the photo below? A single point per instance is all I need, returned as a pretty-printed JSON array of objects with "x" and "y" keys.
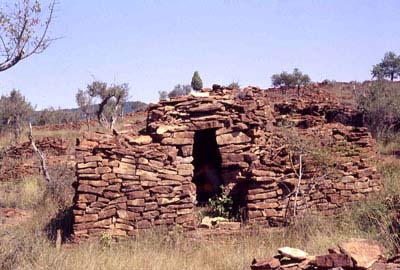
[
  {"x": 129, "y": 182},
  {"x": 20, "y": 160}
]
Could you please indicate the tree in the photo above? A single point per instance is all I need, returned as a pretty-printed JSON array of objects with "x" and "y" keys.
[
  {"x": 389, "y": 67},
  {"x": 138, "y": 106},
  {"x": 163, "y": 94},
  {"x": 300, "y": 79},
  {"x": 51, "y": 116},
  {"x": 180, "y": 90},
  {"x": 286, "y": 80},
  {"x": 283, "y": 80},
  {"x": 234, "y": 85},
  {"x": 85, "y": 104},
  {"x": 14, "y": 112},
  {"x": 110, "y": 101},
  {"x": 24, "y": 29},
  {"x": 197, "y": 83},
  {"x": 380, "y": 108}
]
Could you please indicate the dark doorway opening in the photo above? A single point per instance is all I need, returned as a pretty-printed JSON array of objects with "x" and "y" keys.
[{"x": 207, "y": 165}]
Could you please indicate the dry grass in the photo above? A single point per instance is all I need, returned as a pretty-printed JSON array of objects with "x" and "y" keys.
[
  {"x": 390, "y": 148},
  {"x": 30, "y": 245},
  {"x": 29, "y": 248},
  {"x": 24, "y": 193}
]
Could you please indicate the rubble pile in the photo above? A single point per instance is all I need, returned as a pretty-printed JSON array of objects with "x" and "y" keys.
[
  {"x": 49, "y": 145},
  {"x": 353, "y": 254},
  {"x": 20, "y": 160}
]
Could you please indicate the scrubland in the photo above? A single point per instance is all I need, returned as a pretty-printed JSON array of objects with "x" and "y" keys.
[{"x": 31, "y": 243}]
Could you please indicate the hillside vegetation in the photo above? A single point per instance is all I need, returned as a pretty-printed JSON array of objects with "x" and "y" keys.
[{"x": 29, "y": 242}]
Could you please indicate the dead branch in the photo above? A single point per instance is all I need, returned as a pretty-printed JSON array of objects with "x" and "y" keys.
[
  {"x": 41, "y": 156},
  {"x": 300, "y": 175}
]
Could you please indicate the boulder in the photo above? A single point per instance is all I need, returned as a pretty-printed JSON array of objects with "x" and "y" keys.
[{"x": 363, "y": 252}]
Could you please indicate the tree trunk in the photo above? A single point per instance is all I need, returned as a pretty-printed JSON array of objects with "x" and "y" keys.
[
  {"x": 87, "y": 123},
  {"x": 17, "y": 131}
]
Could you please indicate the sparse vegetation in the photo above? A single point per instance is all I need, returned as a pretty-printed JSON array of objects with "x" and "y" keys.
[
  {"x": 286, "y": 80},
  {"x": 250, "y": 167},
  {"x": 25, "y": 193},
  {"x": 29, "y": 246},
  {"x": 380, "y": 106},
  {"x": 234, "y": 85},
  {"x": 52, "y": 116},
  {"x": 179, "y": 90},
  {"x": 15, "y": 112}
]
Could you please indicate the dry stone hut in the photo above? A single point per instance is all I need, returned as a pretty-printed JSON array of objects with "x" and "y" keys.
[{"x": 277, "y": 156}]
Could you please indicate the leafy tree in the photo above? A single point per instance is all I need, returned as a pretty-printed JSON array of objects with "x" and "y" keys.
[
  {"x": 380, "y": 107},
  {"x": 197, "y": 83},
  {"x": 389, "y": 67},
  {"x": 85, "y": 104},
  {"x": 180, "y": 90},
  {"x": 163, "y": 94},
  {"x": 51, "y": 116},
  {"x": 283, "y": 80},
  {"x": 24, "y": 29},
  {"x": 138, "y": 106},
  {"x": 234, "y": 85},
  {"x": 286, "y": 80},
  {"x": 14, "y": 112},
  {"x": 110, "y": 101},
  {"x": 300, "y": 79}
]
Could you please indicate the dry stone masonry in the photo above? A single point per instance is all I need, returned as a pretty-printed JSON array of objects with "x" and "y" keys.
[
  {"x": 276, "y": 156},
  {"x": 20, "y": 160}
]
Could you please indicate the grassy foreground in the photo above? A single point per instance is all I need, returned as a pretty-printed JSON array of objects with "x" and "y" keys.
[{"x": 30, "y": 245}]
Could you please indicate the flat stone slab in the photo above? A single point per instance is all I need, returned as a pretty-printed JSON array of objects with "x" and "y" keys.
[
  {"x": 364, "y": 252},
  {"x": 293, "y": 253}
]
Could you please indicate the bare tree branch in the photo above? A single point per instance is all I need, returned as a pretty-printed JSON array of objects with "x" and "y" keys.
[
  {"x": 41, "y": 156},
  {"x": 23, "y": 32}
]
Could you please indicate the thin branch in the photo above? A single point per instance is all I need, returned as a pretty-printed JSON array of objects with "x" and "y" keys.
[
  {"x": 41, "y": 156},
  {"x": 42, "y": 40},
  {"x": 300, "y": 175}
]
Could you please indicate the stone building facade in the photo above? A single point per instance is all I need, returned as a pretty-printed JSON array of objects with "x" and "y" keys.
[{"x": 276, "y": 156}]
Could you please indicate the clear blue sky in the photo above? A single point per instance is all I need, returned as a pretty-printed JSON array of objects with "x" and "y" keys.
[{"x": 154, "y": 45}]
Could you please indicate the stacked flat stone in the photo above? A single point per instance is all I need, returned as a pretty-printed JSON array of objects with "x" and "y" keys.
[
  {"x": 20, "y": 160},
  {"x": 128, "y": 182},
  {"x": 50, "y": 145},
  {"x": 131, "y": 183}
]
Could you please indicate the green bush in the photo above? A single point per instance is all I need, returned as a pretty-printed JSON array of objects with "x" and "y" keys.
[
  {"x": 380, "y": 106},
  {"x": 221, "y": 206}
]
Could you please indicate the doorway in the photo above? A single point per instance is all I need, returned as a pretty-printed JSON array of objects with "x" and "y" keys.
[{"x": 207, "y": 166}]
